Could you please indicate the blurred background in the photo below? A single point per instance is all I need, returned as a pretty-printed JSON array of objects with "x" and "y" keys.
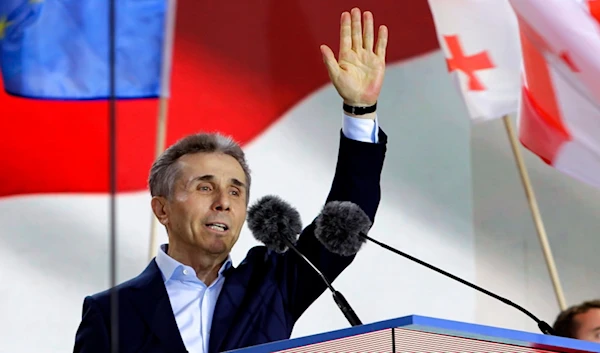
[{"x": 451, "y": 192}]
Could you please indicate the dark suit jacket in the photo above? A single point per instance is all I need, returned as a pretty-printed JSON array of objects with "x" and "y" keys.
[{"x": 261, "y": 299}]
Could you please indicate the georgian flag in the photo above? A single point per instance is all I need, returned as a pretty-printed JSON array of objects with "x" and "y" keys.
[
  {"x": 537, "y": 57},
  {"x": 480, "y": 41},
  {"x": 560, "y": 104}
]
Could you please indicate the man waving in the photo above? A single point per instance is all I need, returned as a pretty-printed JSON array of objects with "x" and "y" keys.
[{"x": 190, "y": 298}]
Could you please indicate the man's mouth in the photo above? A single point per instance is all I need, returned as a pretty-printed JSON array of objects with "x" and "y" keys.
[{"x": 219, "y": 227}]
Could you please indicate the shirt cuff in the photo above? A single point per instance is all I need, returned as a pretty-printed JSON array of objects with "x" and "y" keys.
[{"x": 364, "y": 130}]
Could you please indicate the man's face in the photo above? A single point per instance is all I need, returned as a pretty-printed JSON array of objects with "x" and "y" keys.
[
  {"x": 588, "y": 325},
  {"x": 208, "y": 207}
]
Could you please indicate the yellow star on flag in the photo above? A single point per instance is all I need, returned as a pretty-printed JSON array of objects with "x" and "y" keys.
[{"x": 3, "y": 25}]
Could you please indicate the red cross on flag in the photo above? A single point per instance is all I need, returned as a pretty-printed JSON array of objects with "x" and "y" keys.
[
  {"x": 560, "y": 106},
  {"x": 481, "y": 43}
]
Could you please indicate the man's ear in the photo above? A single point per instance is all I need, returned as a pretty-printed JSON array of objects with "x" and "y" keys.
[{"x": 160, "y": 209}]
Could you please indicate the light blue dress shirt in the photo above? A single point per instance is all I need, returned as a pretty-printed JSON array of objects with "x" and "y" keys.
[{"x": 192, "y": 301}]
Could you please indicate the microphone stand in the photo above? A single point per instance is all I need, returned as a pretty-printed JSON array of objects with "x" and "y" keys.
[
  {"x": 543, "y": 326},
  {"x": 338, "y": 297}
]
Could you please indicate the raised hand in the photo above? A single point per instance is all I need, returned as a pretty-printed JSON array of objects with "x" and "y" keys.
[{"x": 358, "y": 73}]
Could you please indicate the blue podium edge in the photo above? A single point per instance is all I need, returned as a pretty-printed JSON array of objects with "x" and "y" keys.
[{"x": 438, "y": 326}]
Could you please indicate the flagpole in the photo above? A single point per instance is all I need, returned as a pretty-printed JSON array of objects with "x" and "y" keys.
[
  {"x": 161, "y": 132},
  {"x": 537, "y": 218},
  {"x": 161, "y": 122},
  {"x": 112, "y": 176}
]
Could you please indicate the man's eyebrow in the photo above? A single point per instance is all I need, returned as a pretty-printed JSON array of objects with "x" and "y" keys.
[
  {"x": 209, "y": 177},
  {"x": 236, "y": 182}
]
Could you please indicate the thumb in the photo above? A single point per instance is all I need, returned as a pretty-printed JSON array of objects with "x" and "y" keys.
[{"x": 330, "y": 62}]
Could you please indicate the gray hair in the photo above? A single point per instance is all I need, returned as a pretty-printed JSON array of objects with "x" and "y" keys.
[{"x": 164, "y": 171}]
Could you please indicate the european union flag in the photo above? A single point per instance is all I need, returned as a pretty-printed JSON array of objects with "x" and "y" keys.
[{"x": 59, "y": 49}]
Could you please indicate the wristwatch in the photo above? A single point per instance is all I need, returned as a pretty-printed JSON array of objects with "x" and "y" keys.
[{"x": 359, "y": 110}]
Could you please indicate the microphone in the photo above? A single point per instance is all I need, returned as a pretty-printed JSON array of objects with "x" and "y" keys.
[
  {"x": 342, "y": 228},
  {"x": 276, "y": 224}
]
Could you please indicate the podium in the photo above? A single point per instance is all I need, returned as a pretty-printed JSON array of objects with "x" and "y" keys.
[{"x": 425, "y": 334}]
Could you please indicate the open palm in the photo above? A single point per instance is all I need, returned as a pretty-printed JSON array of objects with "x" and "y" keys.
[{"x": 358, "y": 73}]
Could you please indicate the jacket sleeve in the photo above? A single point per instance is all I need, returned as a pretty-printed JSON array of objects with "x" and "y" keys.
[
  {"x": 357, "y": 179},
  {"x": 92, "y": 335}
]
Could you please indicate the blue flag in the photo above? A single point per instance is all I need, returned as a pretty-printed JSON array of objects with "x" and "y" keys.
[{"x": 59, "y": 49}]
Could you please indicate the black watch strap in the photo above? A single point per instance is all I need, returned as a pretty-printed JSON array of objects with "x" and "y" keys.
[{"x": 359, "y": 110}]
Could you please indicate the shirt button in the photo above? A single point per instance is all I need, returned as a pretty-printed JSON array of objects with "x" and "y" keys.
[{"x": 185, "y": 272}]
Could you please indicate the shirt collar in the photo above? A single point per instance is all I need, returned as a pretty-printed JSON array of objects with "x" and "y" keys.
[{"x": 168, "y": 265}]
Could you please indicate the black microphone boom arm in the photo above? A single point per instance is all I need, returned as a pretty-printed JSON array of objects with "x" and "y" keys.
[
  {"x": 338, "y": 297},
  {"x": 544, "y": 327}
]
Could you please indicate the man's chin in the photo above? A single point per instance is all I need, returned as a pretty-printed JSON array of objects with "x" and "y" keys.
[
  {"x": 215, "y": 245},
  {"x": 218, "y": 247}
]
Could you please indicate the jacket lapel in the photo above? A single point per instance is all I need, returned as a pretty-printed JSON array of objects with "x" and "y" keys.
[
  {"x": 151, "y": 299},
  {"x": 228, "y": 304}
]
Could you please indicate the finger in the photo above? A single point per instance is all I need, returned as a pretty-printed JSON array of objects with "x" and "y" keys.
[
  {"x": 329, "y": 59},
  {"x": 356, "y": 29},
  {"x": 368, "y": 36},
  {"x": 382, "y": 41},
  {"x": 345, "y": 33}
]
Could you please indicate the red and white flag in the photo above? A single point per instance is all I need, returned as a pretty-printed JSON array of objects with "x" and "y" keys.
[
  {"x": 480, "y": 39},
  {"x": 560, "y": 105}
]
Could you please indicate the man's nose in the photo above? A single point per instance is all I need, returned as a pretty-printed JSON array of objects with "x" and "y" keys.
[{"x": 222, "y": 202}]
